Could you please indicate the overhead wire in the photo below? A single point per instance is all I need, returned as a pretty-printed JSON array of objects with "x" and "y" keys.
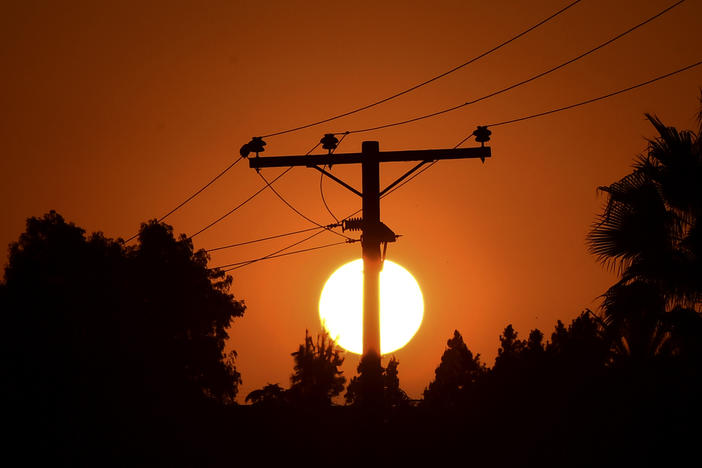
[
  {"x": 268, "y": 184},
  {"x": 321, "y": 179},
  {"x": 599, "y": 98},
  {"x": 183, "y": 203},
  {"x": 426, "y": 82},
  {"x": 422, "y": 170},
  {"x": 240, "y": 204},
  {"x": 319, "y": 231},
  {"x": 520, "y": 83},
  {"x": 322, "y": 228},
  {"x": 553, "y": 111},
  {"x": 278, "y": 253},
  {"x": 249, "y": 262},
  {"x": 277, "y": 236},
  {"x": 298, "y": 211},
  {"x": 541, "y": 114}
]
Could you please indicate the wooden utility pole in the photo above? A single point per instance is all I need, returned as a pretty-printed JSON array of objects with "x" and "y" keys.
[{"x": 373, "y": 232}]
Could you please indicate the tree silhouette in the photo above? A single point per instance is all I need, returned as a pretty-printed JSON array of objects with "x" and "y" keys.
[
  {"x": 650, "y": 227},
  {"x": 651, "y": 230},
  {"x": 101, "y": 340},
  {"x": 375, "y": 387},
  {"x": 271, "y": 395},
  {"x": 510, "y": 351},
  {"x": 394, "y": 395},
  {"x": 366, "y": 389},
  {"x": 581, "y": 349},
  {"x": 457, "y": 374},
  {"x": 317, "y": 377}
]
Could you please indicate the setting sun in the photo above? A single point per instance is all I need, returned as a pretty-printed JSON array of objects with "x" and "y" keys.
[{"x": 401, "y": 306}]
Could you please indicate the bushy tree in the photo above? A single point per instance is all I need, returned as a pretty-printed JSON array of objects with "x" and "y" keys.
[
  {"x": 102, "y": 337},
  {"x": 394, "y": 396},
  {"x": 376, "y": 387},
  {"x": 457, "y": 374},
  {"x": 271, "y": 395},
  {"x": 581, "y": 348},
  {"x": 317, "y": 377}
]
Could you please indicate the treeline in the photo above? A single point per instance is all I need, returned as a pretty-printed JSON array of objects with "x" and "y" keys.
[
  {"x": 103, "y": 344},
  {"x": 113, "y": 355}
]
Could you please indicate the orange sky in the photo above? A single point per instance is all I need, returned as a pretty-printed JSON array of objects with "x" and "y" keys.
[{"x": 114, "y": 112}]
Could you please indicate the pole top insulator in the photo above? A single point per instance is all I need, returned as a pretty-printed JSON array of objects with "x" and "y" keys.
[
  {"x": 482, "y": 134},
  {"x": 329, "y": 142},
  {"x": 254, "y": 146}
]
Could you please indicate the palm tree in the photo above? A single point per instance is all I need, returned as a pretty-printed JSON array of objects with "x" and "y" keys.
[{"x": 651, "y": 232}]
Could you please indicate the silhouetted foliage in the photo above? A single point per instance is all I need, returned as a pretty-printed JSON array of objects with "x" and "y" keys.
[
  {"x": 363, "y": 389},
  {"x": 112, "y": 351},
  {"x": 271, "y": 395},
  {"x": 650, "y": 227},
  {"x": 317, "y": 377},
  {"x": 581, "y": 348},
  {"x": 98, "y": 335},
  {"x": 456, "y": 376},
  {"x": 394, "y": 395},
  {"x": 651, "y": 230},
  {"x": 366, "y": 389}
]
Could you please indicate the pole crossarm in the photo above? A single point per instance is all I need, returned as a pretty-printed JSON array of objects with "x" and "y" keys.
[
  {"x": 375, "y": 235},
  {"x": 339, "y": 181},
  {"x": 403, "y": 177},
  {"x": 481, "y": 152}
]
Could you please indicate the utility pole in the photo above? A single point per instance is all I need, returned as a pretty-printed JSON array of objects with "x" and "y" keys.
[{"x": 374, "y": 234}]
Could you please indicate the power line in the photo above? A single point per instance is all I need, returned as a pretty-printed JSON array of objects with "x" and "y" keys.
[
  {"x": 268, "y": 184},
  {"x": 321, "y": 179},
  {"x": 418, "y": 173},
  {"x": 324, "y": 201},
  {"x": 249, "y": 262},
  {"x": 520, "y": 83},
  {"x": 191, "y": 196},
  {"x": 541, "y": 114},
  {"x": 241, "y": 204},
  {"x": 552, "y": 111},
  {"x": 199, "y": 191},
  {"x": 297, "y": 211},
  {"x": 319, "y": 231},
  {"x": 277, "y": 236},
  {"x": 599, "y": 98},
  {"x": 424, "y": 83}
]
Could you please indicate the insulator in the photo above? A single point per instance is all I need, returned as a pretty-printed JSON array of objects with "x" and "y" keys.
[
  {"x": 329, "y": 141},
  {"x": 482, "y": 134},
  {"x": 254, "y": 146},
  {"x": 352, "y": 224}
]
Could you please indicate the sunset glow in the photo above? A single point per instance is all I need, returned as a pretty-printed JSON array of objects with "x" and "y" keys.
[{"x": 401, "y": 306}]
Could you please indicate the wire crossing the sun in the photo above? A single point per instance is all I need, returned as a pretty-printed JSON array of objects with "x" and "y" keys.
[
  {"x": 519, "y": 83},
  {"x": 321, "y": 180},
  {"x": 424, "y": 83}
]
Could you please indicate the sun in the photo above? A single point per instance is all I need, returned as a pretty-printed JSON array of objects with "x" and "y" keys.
[{"x": 401, "y": 306}]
